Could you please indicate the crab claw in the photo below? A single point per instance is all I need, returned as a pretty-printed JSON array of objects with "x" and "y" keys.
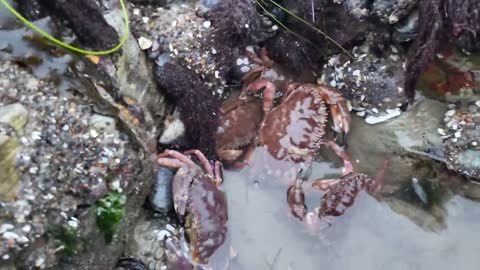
[
  {"x": 176, "y": 258},
  {"x": 268, "y": 88},
  {"x": 338, "y": 107},
  {"x": 296, "y": 196}
]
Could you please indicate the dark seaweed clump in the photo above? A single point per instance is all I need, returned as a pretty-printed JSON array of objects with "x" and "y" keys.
[
  {"x": 195, "y": 102},
  {"x": 237, "y": 24},
  {"x": 84, "y": 17},
  {"x": 440, "y": 22}
]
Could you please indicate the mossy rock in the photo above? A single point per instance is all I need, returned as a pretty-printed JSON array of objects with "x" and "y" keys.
[
  {"x": 14, "y": 115},
  {"x": 9, "y": 179}
]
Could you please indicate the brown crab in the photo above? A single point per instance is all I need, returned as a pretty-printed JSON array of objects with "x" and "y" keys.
[
  {"x": 239, "y": 123},
  {"x": 270, "y": 78},
  {"x": 292, "y": 131},
  {"x": 198, "y": 203},
  {"x": 340, "y": 193}
]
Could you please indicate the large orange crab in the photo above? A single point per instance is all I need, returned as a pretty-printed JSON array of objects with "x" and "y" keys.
[
  {"x": 292, "y": 131},
  {"x": 201, "y": 206},
  {"x": 340, "y": 193}
]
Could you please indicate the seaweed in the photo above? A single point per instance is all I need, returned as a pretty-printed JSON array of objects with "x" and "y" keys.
[
  {"x": 109, "y": 213},
  {"x": 237, "y": 24},
  {"x": 195, "y": 102},
  {"x": 440, "y": 22},
  {"x": 84, "y": 17}
]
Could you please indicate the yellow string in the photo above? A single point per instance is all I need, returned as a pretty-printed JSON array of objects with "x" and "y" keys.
[{"x": 70, "y": 47}]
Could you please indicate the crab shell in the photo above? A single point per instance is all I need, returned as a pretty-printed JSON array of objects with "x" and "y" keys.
[
  {"x": 239, "y": 122},
  {"x": 342, "y": 195},
  {"x": 206, "y": 218},
  {"x": 294, "y": 129}
]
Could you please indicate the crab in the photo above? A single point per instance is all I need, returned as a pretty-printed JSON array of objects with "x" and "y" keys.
[
  {"x": 239, "y": 123},
  {"x": 199, "y": 204},
  {"x": 339, "y": 194},
  {"x": 292, "y": 131}
]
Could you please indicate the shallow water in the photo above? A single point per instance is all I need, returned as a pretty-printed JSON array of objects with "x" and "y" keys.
[{"x": 370, "y": 235}]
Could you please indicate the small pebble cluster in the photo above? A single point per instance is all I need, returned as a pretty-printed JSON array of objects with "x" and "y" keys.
[
  {"x": 372, "y": 84},
  {"x": 180, "y": 34},
  {"x": 462, "y": 138},
  {"x": 65, "y": 152}
]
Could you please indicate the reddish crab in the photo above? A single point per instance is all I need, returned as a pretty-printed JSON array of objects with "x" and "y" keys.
[
  {"x": 239, "y": 123},
  {"x": 200, "y": 205},
  {"x": 292, "y": 131},
  {"x": 270, "y": 78},
  {"x": 340, "y": 193}
]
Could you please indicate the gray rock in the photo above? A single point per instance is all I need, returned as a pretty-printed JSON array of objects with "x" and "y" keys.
[
  {"x": 14, "y": 115},
  {"x": 160, "y": 197},
  {"x": 103, "y": 123}
]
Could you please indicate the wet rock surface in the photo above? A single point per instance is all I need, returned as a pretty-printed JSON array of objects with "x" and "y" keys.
[
  {"x": 177, "y": 33},
  {"x": 66, "y": 147},
  {"x": 72, "y": 141}
]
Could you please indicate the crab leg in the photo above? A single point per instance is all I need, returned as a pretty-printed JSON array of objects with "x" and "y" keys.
[
  {"x": 378, "y": 182},
  {"x": 201, "y": 157},
  {"x": 347, "y": 163},
  {"x": 266, "y": 61},
  {"x": 326, "y": 184},
  {"x": 173, "y": 159},
  {"x": 247, "y": 157},
  {"x": 268, "y": 92},
  {"x": 263, "y": 60},
  {"x": 218, "y": 173},
  {"x": 338, "y": 108},
  {"x": 296, "y": 196},
  {"x": 252, "y": 74}
]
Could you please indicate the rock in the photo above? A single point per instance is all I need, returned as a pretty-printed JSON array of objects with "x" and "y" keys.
[
  {"x": 415, "y": 132},
  {"x": 103, "y": 123},
  {"x": 369, "y": 81},
  {"x": 9, "y": 180},
  {"x": 160, "y": 197},
  {"x": 146, "y": 242},
  {"x": 14, "y": 115}
]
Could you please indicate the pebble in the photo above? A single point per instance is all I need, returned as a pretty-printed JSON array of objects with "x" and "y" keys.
[
  {"x": 40, "y": 262},
  {"x": 450, "y": 113},
  {"x": 22, "y": 240},
  {"x": 163, "y": 234},
  {"x": 73, "y": 224},
  {"x": 6, "y": 227},
  {"x": 36, "y": 135},
  {"x": 372, "y": 120},
  {"x": 441, "y": 131},
  {"x": 115, "y": 185},
  {"x": 10, "y": 236},
  {"x": 474, "y": 143},
  {"x": 458, "y": 134},
  {"x": 170, "y": 228},
  {"x": 27, "y": 228},
  {"x": 392, "y": 19},
  {"x": 361, "y": 114},
  {"x": 93, "y": 133},
  {"x": 207, "y": 24},
  {"x": 477, "y": 103},
  {"x": 5, "y": 257},
  {"x": 144, "y": 43}
]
